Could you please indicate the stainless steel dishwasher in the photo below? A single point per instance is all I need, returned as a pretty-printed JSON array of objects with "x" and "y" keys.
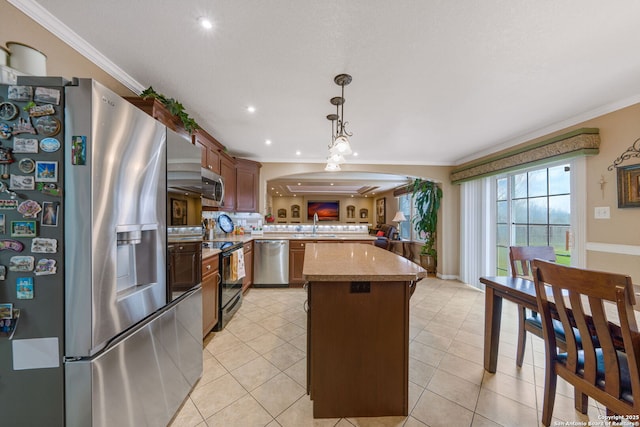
[{"x": 271, "y": 264}]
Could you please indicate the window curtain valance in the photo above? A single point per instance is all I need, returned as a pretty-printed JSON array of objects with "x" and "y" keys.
[{"x": 580, "y": 142}]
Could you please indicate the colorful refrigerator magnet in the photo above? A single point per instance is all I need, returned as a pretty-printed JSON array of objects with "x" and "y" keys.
[
  {"x": 24, "y": 287},
  {"x": 25, "y": 145},
  {"x": 42, "y": 245},
  {"x": 23, "y": 228},
  {"x": 41, "y": 110},
  {"x": 20, "y": 93},
  {"x": 21, "y": 263},
  {"x": 8, "y": 111},
  {"x": 12, "y": 245},
  {"x": 45, "y": 266},
  {"x": 47, "y": 95},
  {"x": 47, "y": 125},
  {"x": 22, "y": 182},
  {"x": 29, "y": 208},
  {"x": 46, "y": 171},
  {"x": 78, "y": 150},
  {"x": 24, "y": 126},
  {"x": 49, "y": 145}
]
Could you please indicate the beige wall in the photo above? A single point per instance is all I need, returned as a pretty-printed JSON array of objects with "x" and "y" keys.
[
  {"x": 448, "y": 244},
  {"x": 358, "y": 202},
  {"x": 62, "y": 60},
  {"x": 617, "y": 239}
]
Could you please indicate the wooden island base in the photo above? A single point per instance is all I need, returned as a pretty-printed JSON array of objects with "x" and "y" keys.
[{"x": 358, "y": 331}]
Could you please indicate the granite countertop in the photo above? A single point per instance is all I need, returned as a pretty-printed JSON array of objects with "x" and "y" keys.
[
  {"x": 208, "y": 252},
  {"x": 289, "y": 236},
  {"x": 328, "y": 262}
]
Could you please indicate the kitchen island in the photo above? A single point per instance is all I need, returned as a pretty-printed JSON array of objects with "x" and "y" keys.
[{"x": 358, "y": 329}]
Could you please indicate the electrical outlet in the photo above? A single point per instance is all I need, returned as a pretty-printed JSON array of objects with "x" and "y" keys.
[
  {"x": 360, "y": 287},
  {"x": 602, "y": 212}
]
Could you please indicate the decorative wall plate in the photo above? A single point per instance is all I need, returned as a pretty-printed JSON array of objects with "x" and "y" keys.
[{"x": 226, "y": 223}]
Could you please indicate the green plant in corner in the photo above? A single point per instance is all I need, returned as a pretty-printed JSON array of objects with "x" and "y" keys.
[
  {"x": 426, "y": 199},
  {"x": 174, "y": 107}
]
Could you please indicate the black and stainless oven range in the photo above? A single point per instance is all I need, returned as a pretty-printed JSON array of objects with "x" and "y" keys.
[{"x": 230, "y": 289}]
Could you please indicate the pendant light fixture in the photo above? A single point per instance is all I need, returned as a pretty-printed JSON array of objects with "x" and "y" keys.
[
  {"x": 334, "y": 159},
  {"x": 339, "y": 145}
]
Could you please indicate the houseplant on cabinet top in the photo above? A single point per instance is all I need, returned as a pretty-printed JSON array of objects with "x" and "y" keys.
[
  {"x": 174, "y": 107},
  {"x": 426, "y": 199}
]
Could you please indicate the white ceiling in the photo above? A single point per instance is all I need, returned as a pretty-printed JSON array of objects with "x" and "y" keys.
[{"x": 434, "y": 82}]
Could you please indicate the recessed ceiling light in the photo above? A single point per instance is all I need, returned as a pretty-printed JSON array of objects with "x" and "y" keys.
[
  {"x": 205, "y": 23},
  {"x": 251, "y": 109},
  {"x": 332, "y": 183},
  {"x": 299, "y": 183},
  {"x": 298, "y": 153},
  {"x": 355, "y": 154},
  {"x": 268, "y": 142}
]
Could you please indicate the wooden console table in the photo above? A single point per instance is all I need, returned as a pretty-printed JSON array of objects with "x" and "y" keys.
[{"x": 358, "y": 329}]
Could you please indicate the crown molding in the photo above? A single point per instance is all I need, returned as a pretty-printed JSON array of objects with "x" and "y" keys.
[{"x": 44, "y": 18}]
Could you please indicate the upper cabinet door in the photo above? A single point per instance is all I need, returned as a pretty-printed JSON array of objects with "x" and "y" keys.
[
  {"x": 228, "y": 173},
  {"x": 210, "y": 150},
  {"x": 247, "y": 181}
]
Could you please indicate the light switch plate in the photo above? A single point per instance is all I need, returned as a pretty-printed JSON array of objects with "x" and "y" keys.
[{"x": 602, "y": 212}]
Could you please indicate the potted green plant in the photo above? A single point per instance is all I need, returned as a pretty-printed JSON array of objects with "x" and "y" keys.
[
  {"x": 426, "y": 199},
  {"x": 174, "y": 107}
]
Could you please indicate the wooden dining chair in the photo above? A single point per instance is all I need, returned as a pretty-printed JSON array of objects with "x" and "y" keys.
[
  {"x": 606, "y": 366},
  {"x": 520, "y": 258}
]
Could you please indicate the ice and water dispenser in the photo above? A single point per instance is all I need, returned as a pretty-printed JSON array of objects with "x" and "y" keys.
[{"x": 136, "y": 253}]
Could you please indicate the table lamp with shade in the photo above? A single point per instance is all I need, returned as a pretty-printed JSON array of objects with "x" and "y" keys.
[{"x": 399, "y": 217}]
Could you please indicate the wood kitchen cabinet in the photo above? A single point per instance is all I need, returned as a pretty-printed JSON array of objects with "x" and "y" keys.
[
  {"x": 183, "y": 257},
  {"x": 296, "y": 261},
  {"x": 247, "y": 181},
  {"x": 228, "y": 173},
  {"x": 210, "y": 148},
  {"x": 248, "y": 266},
  {"x": 210, "y": 293}
]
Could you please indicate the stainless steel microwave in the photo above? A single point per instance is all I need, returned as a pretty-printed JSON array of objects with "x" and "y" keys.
[
  {"x": 185, "y": 173},
  {"x": 212, "y": 189}
]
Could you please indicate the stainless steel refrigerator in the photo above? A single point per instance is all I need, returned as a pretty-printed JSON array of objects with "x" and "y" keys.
[{"x": 97, "y": 343}]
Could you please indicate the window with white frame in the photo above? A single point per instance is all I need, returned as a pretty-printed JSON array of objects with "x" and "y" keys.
[
  {"x": 405, "y": 206},
  {"x": 533, "y": 208}
]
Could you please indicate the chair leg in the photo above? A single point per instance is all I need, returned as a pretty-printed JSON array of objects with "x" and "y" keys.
[
  {"x": 581, "y": 401},
  {"x": 522, "y": 336},
  {"x": 550, "y": 381}
]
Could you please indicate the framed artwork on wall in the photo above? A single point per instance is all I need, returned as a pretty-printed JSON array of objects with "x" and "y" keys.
[
  {"x": 381, "y": 210},
  {"x": 629, "y": 186},
  {"x": 178, "y": 212}
]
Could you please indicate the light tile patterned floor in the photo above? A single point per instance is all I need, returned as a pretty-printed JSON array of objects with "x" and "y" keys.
[{"x": 255, "y": 369}]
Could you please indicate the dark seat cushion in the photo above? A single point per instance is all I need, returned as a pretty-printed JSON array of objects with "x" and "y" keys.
[
  {"x": 625, "y": 375},
  {"x": 536, "y": 320}
]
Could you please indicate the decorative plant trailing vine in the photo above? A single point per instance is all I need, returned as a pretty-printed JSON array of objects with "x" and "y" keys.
[
  {"x": 426, "y": 199},
  {"x": 174, "y": 107}
]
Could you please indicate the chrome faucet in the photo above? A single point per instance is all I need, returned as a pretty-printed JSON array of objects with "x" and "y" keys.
[{"x": 315, "y": 223}]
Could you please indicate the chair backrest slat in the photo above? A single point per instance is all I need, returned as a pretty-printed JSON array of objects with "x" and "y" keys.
[
  {"x": 579, "y": 298},
  {"x": 520, "y": 258}
]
